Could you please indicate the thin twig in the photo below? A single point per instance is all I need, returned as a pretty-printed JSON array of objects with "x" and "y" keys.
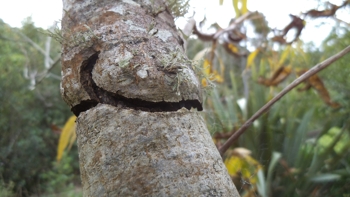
[
  {"x": 234, "y": 25},
  {"x": 339, "y": 20},
  {"x": 46, "y": 72},
  {"x": 267, "y": 106}
]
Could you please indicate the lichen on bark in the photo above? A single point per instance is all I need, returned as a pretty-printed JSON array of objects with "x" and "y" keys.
[
  {"x": 133, "y": 153},
  {"x": 139, "y": 52},
  {"x": 134, "y": 92}
]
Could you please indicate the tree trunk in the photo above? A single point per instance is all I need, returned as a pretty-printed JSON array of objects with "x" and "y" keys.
[{"x": 126, "y": 77}]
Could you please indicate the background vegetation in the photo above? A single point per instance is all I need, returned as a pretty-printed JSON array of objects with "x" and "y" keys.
[
  {"x": 299, "y": 148},
  {"x": 28, "y": 144}
]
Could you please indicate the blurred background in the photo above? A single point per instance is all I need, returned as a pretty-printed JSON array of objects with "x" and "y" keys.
[{"x": 301, "y": 147}]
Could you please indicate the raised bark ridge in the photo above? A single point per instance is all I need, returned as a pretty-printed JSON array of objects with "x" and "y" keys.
[{"x": 144, "y": 69}]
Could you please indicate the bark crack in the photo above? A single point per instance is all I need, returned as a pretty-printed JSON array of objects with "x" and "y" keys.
[{"x": 99, "y": 95}]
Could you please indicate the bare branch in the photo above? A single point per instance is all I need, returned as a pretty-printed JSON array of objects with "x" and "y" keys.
[
  {"x": 317, "y": 68},
  {"x": 47, "y": 52},
  {"x": 48, "y": 62},
  {"x": 36, "y": 46},
  {"x": 46, "y": 72}
]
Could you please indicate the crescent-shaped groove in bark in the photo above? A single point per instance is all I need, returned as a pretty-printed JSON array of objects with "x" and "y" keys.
[{"x": 99, "y": 95}]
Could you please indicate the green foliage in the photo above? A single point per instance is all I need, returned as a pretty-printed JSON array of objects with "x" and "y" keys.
[
  {"x": 337, "y": 75},
  {"x": 178, "y": 7},
  {"x": 311, "y": 138},
  {"x": 302, "y": 143},
  {"x": 61, "y": 178},
  {"x": 27, "y": 144},
  {"x": 6, "y": 190}
]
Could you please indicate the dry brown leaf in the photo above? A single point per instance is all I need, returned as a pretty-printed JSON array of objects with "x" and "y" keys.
[
  {"x": 55, "y": 129},
  {"x": 327, "y": 12},
  {"x": 315, "y": 82},
  {"x": 278, "y": 76},
  {"x": 296, "y": 23},
  {"x": 202, "y": 36}
]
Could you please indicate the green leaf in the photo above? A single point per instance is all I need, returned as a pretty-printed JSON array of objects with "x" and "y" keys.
[
  {"x": 325, "y": 178},
  {"x": 300, "y": 135},
  {"x": 220, "y": 110},
  {"x": 276, "y": 156},
  {"x": 261, "y": 185}
]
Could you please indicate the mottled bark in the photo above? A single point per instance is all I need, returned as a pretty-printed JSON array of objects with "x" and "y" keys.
[{"x": 126, "y": 77}]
